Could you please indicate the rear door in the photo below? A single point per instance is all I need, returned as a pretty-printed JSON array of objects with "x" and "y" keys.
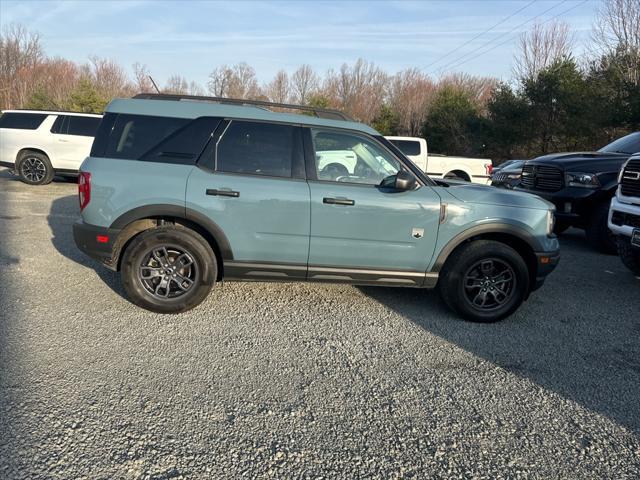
[
  {"x": 251, "y": 183},
  {"x": 72, "y": 139},
  {"x": 360, "y": 231}
]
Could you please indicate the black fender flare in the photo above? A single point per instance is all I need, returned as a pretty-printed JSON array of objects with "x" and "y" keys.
[
  {"x": 180, "y": 212},
  {"x": 483, "y": 229}
]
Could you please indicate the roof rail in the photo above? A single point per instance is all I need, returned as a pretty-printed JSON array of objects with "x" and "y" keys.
[{"x": 318, "y": 112}]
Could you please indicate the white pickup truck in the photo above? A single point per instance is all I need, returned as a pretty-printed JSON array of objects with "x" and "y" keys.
[{"x": 477, "y": 170}]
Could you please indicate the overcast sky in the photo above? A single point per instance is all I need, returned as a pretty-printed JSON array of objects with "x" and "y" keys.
[{"x": 193, "y": 37}]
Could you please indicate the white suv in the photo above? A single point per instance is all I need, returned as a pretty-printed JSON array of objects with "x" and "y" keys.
[{"x": 39, "y": 145}]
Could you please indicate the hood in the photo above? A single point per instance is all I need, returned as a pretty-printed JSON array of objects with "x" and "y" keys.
[
  {"x": 475, "y": 193},
  {"x": 588, "y": 162}
]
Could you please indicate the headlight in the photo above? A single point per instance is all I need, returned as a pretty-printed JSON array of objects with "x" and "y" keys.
[
  {"x": 578, "y": 179},
  {"x": 551, "y": 221}
]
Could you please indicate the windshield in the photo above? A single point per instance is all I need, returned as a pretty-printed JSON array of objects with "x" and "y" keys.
[{"x": 629, "y": 144}]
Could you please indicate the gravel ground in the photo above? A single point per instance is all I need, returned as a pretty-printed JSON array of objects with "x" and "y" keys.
[{"x": 305, "y": 380}]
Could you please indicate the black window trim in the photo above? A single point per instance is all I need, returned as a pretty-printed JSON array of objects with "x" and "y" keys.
[
  {"x": 44, "y": 117},
  {"x": 311, "y": 164},
  {"x": 298, "y": 172},
  {"x": 63, "y": 122}
]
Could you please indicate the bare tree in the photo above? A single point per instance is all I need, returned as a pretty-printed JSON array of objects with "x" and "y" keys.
[
  {"x": 176, "y": 84},
  {"x": 238, "y": 81},
  {"x": 20, "y": 52},
  {"x": 541, "y": 47},
  {"x": 617, "y": 32},
  {"x": 479, "y": 89},
  {"x": 195, "y": 89},
  {"x": 358, "y": 89},
  {"x": 108, "y": 77},
  {"x": 220, "y": 81},
  {"x": 278, "y": 89},
  {"x": 142, "y": 81},
  {"x": 410, "y": 95},
  {"x": 304, "y": 82}
]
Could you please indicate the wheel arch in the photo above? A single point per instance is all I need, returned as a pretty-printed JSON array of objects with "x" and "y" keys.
[
  {"x": 459, "y": 172},
  {"x": 30, "y": 149},
  {"x": 517, "y": 238},
  {"x": 144, "y": 218}
]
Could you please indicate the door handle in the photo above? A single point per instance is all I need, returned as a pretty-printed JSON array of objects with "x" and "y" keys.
[
  {"x": 222, "y": 193},
  {"x": 338, "y": 201}
]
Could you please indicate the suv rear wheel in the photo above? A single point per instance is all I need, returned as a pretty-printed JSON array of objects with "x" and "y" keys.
[
  {"x": 484, "y": 281},
  {"x": 35, "y": 168},
  {"x": 168, "y": 269}
]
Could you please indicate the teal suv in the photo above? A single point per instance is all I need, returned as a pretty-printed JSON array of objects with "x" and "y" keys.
[{"x": 180, "y": 192}]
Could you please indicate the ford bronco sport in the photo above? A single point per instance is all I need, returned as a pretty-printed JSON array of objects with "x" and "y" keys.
[{"x": 181, "y": 192}]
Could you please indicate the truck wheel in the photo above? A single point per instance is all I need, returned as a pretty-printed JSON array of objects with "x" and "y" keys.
[
  {"x": 35, "y": 168},
  {"x": 598, "y": 234},
  {"x": 484, "y": 281},
  {"x": 456, "y": 175},
  {"x": 629, "y": 255},
  {"x": 168, "y": 269}
]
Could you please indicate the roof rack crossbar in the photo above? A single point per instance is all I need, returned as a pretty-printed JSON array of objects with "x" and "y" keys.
[{"x": 318, "y": 112}]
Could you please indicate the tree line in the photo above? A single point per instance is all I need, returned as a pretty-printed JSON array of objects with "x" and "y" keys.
[{"x": 554, "y": 101}]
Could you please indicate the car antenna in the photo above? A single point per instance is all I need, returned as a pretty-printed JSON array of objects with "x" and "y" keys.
[{"x": 154, "y": 83}]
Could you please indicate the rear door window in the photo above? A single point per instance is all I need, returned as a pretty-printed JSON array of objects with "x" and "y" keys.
[
  {"x": 60, "y": 125},
  {"x": 22, "y": 121},
  {"x": 82, "y": 126},
  {"x": 256, "y": 148}
]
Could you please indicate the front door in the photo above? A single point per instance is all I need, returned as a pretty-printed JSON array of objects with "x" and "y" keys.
[
  {"x": 360, "y": 231},
  {"x": 252, "y": 187}
]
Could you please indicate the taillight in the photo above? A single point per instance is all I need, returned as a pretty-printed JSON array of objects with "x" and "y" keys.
[
  {"x": 489, "y": 168},
  {"x": 84, "y": 189}
]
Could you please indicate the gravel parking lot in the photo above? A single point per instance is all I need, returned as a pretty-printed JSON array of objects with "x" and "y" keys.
[{"x": 305, "y": 380}]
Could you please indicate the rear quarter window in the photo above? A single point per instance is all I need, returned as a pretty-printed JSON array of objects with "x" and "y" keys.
[
  {"x": 22, "y": 121},
  {"x": 408, "y": 147},
  {"x": 152, "y": 138}
]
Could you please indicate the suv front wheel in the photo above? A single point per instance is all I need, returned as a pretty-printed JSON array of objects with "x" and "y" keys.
[
  {"x": 484, "y": 281},
  {"x": 168, "y": 269}
]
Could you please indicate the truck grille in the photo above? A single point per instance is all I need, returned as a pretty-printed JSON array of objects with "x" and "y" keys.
[
  {"x": 630, "y": 183},
  {"x": 622, "y": 218},
  {"x": 541, "y": 177}
]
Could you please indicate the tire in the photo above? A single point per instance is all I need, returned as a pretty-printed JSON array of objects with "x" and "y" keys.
[
  {"x": 560, "y": 227},
  {"x": 629, "y": 255},
  {"x": 34, "y": 168},
  {"x": 598, "y": 234},
  {"x": 161, "y": 255},
  {"x": 463, "y": 279}
]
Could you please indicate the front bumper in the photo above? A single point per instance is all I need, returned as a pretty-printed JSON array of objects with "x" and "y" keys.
[
  {"x": 96, "y": 242},
  {"x": 546, "y": 262},
  {"x": 626, "y": 218},
  {"x": 573, "y": 204}
]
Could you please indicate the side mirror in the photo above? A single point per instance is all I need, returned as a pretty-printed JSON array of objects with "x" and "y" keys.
[{"x": 404, "y": 181}]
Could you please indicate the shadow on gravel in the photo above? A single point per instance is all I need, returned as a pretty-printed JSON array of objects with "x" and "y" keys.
[
  {"x": 578, "y": 336},
  {"x": 64, "y": 211}
]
